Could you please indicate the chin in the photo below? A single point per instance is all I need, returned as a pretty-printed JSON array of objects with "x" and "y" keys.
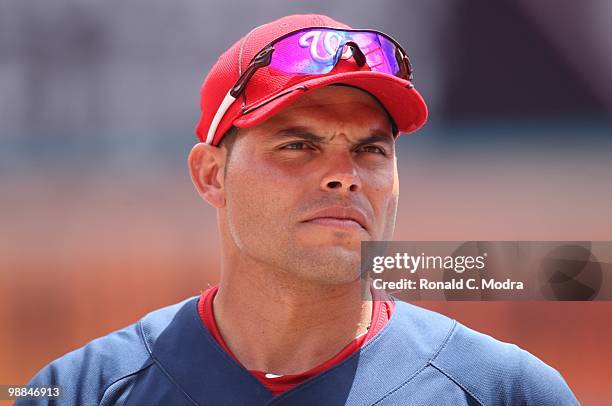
[
  {"x": 322, "y": 261},
  {"x": 334, "y": 239},
  {"x": 331, "y": 273}
]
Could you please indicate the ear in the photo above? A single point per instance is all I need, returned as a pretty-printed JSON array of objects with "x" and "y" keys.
[{"x": 206, "y": 163}]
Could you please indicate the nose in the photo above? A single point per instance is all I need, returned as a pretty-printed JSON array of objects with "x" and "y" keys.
[{"x": 342, "y": 175}]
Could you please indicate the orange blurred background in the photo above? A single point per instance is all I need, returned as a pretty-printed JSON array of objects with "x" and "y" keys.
[{"x": 85, "y": 254}]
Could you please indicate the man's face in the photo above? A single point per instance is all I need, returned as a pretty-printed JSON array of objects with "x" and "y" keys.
[{"x": 305, "y": 187}]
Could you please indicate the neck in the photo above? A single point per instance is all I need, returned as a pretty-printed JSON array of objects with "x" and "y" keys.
[{"x": 275, "y": 322}]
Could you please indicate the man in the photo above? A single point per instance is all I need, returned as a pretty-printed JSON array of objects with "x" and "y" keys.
[{"x": 298, "y": 130}]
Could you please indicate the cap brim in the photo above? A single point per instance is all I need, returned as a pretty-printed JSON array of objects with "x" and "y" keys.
[{"x": 398, "y": 96}]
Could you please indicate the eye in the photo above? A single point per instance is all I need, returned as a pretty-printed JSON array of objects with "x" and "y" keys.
[
  {"x": 297, "y": 145},
  {"x": 373, "y": 148}
]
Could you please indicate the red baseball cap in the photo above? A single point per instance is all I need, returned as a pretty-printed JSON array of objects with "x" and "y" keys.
[{"x": 266, "y": 94}]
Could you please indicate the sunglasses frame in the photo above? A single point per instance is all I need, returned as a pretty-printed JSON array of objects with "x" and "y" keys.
[{"x": 264, "y": 57}]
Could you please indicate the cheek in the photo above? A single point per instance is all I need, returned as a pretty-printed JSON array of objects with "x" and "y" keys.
[
  {"x": 383, "y": 191},
  {"x": 259, "y": 204},
  {"x": 248, "y": 195}
]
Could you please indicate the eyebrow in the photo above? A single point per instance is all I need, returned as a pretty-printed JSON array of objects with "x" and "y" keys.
[{"x": 307, "y": 134}]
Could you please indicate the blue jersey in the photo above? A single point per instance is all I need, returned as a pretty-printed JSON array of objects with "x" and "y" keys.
[{"x": 419, "y": 358}]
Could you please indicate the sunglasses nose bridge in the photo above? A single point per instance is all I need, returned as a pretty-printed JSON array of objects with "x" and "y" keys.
[{"x": 356, "y": 53}]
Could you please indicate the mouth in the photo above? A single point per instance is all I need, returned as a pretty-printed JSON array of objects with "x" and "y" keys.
[
  {"x": 339, "y": 217},
  {"x": 336, "y": 222}
]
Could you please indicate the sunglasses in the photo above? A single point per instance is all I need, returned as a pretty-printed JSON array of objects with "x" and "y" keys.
[{"x": 316, "y": 51}]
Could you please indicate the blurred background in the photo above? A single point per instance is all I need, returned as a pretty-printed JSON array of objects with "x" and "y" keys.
[{"x": 99, "y": 223}]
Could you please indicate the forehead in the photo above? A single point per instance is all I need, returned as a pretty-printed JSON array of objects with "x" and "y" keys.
[{"x": 333, "y": 106}]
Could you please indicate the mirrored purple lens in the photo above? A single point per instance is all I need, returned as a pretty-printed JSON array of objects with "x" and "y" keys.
[{"x": 315, "y": 52}]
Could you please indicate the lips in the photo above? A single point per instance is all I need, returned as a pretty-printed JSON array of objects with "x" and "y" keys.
[{"x": 340, "y": 216}]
